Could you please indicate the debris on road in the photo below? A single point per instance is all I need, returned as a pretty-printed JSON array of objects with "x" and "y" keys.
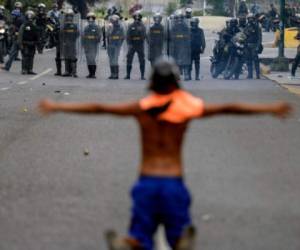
[
  {"x": 86, "y": 152},
  {"x": 57, "y": 91},
  {"x": 66, "y": 93},
  {"x": 206, "y": 217},
  {"x": 43, "y": 84},
  {"x": 25, "y": 110}
]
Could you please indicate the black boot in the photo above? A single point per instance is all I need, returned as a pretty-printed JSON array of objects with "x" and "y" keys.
[
  {"x": 94, "y": 71},
  {"x": 142, "y": 69},
  {"x": 58, "y": 67},
  {"x": 30, "y": 66},
  {"x": 197, "y": 71},
  {"x": 24, "y": 66},
  {"x": 116, "y": 72},
  {"x": 186, "y": 73},
  {"x": 74, "y": 68},
  {"x": 257, "y": 70},
  {"x": 111, "y": 73},
  {"x": 250, "y": 70},
  {"x": 90, "y": 71},
  {"x": 129, "y": 67},
  {"x": 68, "y": 68}
]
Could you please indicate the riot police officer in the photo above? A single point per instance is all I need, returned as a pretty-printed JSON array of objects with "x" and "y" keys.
[
  {"x": 115, "y": 39},
  {"x": 41, "y": 23},
  {"x": 233, "y": 27},
  {"x": 2, "y": 14},
  {"x": 297, "y": 58},
  {"x": 253, "y": 46},
  {"x": 17, "y": 19},
  {"x": 28, "y": 40},
  {"x": 136, "y": 36},
  {"x": 243, "y": 9},
  {"x": 69, "y": 34},
  {"x": 197, "y": 46},
  {"x": 155, "y": 39},
  {"x": 54, "y": 36},
  {"x": 90, "y": 41},
  {"x": 180, "y": 40}
]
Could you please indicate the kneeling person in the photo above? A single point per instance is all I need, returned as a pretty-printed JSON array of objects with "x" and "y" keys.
[{"x": 160, "y": 195}]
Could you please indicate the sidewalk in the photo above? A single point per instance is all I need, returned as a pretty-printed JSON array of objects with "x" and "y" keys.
[{"x": 284, "y": 80}]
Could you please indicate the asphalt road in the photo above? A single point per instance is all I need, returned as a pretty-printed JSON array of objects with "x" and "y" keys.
[{"x": 243, "y": 172}]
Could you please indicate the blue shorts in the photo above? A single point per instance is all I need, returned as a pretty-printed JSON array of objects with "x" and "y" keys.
[{"x": 159, "y": 200}]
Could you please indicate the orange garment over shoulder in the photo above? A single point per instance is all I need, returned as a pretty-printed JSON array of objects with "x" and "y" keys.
[{"x": 183, "y": 107}]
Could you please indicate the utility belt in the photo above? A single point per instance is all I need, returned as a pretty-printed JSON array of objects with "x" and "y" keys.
[
  {"x": 116, "y": 37},
  {"x": 29, "y": 43},
  {"x": 69, "y": 31},
  {"x": 136, "y": 38},
  {"x": 91, "y": 37}
]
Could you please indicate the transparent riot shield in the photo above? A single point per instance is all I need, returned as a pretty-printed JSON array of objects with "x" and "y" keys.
[
  {"x": 115, "y": 37},
  {"x": 70, "y": 48},
  {"x": 179, "y": 44},
  {"x": 156, "y": 39},
  {"x": 91, "y": 42}
]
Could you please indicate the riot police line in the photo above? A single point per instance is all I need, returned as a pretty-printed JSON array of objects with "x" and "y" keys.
[{"x": 178, "y": 36}]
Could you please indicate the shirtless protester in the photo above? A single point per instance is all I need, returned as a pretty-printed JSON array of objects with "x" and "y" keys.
[{"x": 160, "y": 195}]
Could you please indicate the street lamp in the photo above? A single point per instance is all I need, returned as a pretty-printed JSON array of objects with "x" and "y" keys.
[{"x": 281, "y": 63}]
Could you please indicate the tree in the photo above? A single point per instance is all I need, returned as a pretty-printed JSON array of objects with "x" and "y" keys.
[{"x": 171, "y": 7}]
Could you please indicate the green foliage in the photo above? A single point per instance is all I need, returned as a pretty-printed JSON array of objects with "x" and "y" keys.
[
  {"x": 171, "y": 7},
  {"x": 27, "y": 3},
  {"x": 218, "y": 7}
]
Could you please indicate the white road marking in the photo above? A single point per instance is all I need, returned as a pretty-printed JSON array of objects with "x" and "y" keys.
[
  {"x": 5, "y": 88},
  {"x": 22, "y": 82},
  {"x": 41, "y": 74}
]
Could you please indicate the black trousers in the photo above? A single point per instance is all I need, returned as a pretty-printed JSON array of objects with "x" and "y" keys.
[{"x": 296, "y": 63}]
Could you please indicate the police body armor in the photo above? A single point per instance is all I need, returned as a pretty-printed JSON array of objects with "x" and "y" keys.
[
  {"x": 41, "y": 23},
  {"x": 156, "y": 42},
  {"x": 28, "y": 39}
]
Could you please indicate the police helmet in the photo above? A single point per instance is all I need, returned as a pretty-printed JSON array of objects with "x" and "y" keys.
[
  {"x": 251, "y": 18},
  {"x": 91, "y": 15},
  {"x": 18, "y": 5},
  {"x": 41, "y": 6},
  {"x": 157, "y": 18},
  {"x": 195, "y": 21},
  {"x": 29, "y": 15},
  {"x": 188, "y": 12},
  {"x": 233, "y": 22},
  {"x": 137, "y": 16},
  {"x": 114, "y": 19},
  {"x": 69, "y": 12}
]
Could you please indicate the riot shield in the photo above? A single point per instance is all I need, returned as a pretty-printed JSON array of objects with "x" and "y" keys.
[
  {"x": 179, "y": 44},
  {"x": 156, "y": 39},
  {"x": 90, "y": 42},
  {"x": 70, "y": 49}
]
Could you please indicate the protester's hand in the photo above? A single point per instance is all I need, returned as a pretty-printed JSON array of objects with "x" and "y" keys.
[
  {"x": 282, "y": 110},
  {"x": 47, "y": 106}
]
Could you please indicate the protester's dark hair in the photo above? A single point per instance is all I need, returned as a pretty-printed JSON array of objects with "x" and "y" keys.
[{"x": 165, "y": 76}]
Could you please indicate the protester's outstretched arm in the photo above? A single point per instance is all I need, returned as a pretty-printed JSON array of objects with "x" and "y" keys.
[
  {"x": 280, "y": 109},
  {"x": 48, "y": 106}
]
